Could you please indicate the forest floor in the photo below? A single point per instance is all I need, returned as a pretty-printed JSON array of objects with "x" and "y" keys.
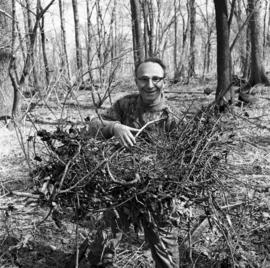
[{"x": 28, "y": 240}]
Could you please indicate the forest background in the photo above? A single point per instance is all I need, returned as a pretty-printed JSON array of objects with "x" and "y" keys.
[
  {"x": 96, "y": 41},
  {"x": 63, "y": 60}
]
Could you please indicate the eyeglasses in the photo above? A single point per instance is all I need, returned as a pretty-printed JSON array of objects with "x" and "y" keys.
[{"x": 155, "y": 79}]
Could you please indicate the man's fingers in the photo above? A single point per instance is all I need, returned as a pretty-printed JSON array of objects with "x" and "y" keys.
[
  {"x": 128, "y": 140},
  {"x": 132, "y": 139},
  {"x": 124, "y": 134},
  {"x": 123, "y": 142},
  {"x": 133, "y": 129},
  {"x": 129, "y": 143}
]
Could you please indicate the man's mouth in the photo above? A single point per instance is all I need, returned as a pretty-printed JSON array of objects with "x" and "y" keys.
[{"x": 150, "y": 91}]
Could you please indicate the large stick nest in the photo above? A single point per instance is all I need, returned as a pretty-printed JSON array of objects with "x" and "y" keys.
[{"x": 89, "y": 175}]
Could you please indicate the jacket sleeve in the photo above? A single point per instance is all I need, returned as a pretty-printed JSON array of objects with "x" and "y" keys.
[{"x": 103, "y": 124}]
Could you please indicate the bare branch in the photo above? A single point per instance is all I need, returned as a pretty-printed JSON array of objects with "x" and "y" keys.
[
  {"x": 147, "y": 124},
  {"x": 241, "y": 29},
  {"x": 231, "y": 13},
  {"x": 6, "y": 14}
]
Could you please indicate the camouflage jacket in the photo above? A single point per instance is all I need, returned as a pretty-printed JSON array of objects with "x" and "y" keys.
[{"x": 131, "y": 111}]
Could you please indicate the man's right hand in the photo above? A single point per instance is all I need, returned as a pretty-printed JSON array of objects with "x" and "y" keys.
[{"x": 124, "y": 134}]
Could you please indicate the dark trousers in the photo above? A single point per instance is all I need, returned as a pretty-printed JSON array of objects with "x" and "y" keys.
[{"x": 161, "y": 238}]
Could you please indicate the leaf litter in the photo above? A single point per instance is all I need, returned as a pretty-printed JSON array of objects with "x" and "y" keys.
[{"x": 224, "y": 221}]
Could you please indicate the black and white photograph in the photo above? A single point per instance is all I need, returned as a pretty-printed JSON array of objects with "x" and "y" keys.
[{"x": 134, "y": 133}]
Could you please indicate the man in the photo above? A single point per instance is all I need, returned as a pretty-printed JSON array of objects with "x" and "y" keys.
[
  {"x": 123, "y": 120},
  {"x": 132, "y": 112}
]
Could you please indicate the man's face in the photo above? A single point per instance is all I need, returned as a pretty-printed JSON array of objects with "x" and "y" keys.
[{"x": 150, "y": 81}]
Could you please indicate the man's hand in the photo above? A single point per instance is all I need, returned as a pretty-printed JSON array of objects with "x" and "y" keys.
[{"x": 123, "y": 133}]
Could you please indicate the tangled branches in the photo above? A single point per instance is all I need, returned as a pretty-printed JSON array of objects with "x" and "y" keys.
[{"x": 90, "y": 175}]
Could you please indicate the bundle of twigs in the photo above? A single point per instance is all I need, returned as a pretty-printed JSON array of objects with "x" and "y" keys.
[{"x": 90, "y": 175}]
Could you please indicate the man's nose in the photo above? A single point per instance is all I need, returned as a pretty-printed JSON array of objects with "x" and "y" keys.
[{"x": 150, "y": 83}]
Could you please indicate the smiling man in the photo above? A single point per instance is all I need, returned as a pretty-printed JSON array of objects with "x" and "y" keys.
[
  {"x": 130, "y": 113},
  {"x": 123, "y": 120}
]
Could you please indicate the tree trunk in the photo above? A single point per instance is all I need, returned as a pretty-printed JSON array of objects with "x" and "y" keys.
[
  {"x": 207, "y": 42},
  {"x": 268, "y": 28},
  {"x": 89, "y": 38},
  {"x": 45, "y": 59},
  {"x": 30, "y": 48},
  {"x": 246, "y": 59},
  {"x": 21, "y": 41},
  {"x": 207, "y": 53},
  {"x": 175, "y": 45},
  {"x": 137, "y": 31},
  {"x": 28, "y": 64},
  {"x": 100, "y": 41},
  {"x": 209, "y": 36},
  {"x": 181, "y": 70},
  {"x": 6, "y": 92},
  {"x": 151, "y": 28},
  {"x": 265, "y": 24},
  {"x": 257, "y": 73},
  {"x": 148, "y": 19},
  {"x": 242, "y": 50},
  {"x": 77, "y": 35},
  {"x": 65, "y": 61},
  {"x": 145, "y": 28},
  {"x": 191, "y": 69},
  {"x": 223, "y": 54},
  {"x": 113, "y": 26},
  {"x": 13, "y": 70}
]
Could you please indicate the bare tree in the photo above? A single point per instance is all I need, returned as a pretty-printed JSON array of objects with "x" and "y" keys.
[
  {"x": 247, "y": 55},
  {"x": 257, "y": 72},
  {"x": 103, "y": 61},
  {"x": 6, "y": 94},
  {"x": 243, "y": 37},
  {"x": 44, "y": 53},
  {"x": 19, "y": 83},
  {"x": 89, "y": 39},
  {"x": 265, "y": 24},
  {"x": 209, "y": 24},
  {"x": 191, "y": 63},
  {"x": 267, "y": 32},
  {"x": 28, "y": 13},
  {"x": 233, "y": 4},
  {"x": 100, "y": 44},
  {"x": 181, "y": 68},
  {"x": 77, "y": 35},
  {"x": 12, "y": 66},
  {"x": 113, "y": 30},
  {"x": 64, "y": 55},
  {"x": 165, "y": 18},
  {"x": 148, "y": 19},
  {"x": 175, "y": 46},
  {"x": 223, "y": 53},
  {"x": 137, "y": 34},
  {"x": 30, "y": 51}
]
